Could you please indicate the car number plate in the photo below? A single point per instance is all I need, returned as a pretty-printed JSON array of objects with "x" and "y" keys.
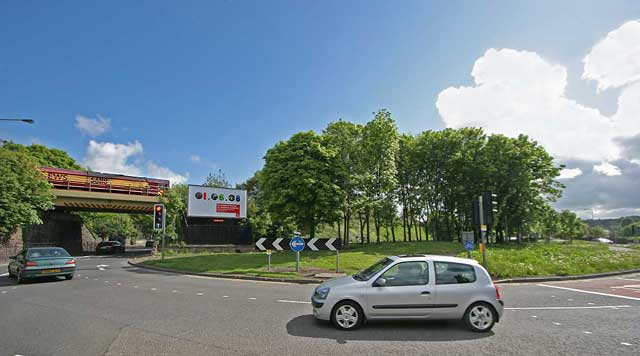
[{"x": 55, "y": 270}]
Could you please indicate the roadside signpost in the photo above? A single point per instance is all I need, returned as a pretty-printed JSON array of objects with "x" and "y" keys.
[
  {"x": 298, "y": 244},
  {"x": 467, "y": 240}
]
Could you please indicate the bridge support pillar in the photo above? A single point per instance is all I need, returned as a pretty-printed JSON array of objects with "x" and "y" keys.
[{"x": 59, "y": 228}]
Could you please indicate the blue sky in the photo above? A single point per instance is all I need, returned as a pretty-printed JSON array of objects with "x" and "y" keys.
[{"x": 225, "y": 80}]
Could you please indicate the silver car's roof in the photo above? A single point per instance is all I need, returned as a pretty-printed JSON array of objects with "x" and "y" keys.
[{"x": 439, "y": 258}]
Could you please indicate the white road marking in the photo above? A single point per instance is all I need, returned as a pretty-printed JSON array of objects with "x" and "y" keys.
[
  {"x": 252, "y": 298},
  {"x": 588, "y": 292},
  {"x": 591, "y": 303},
  {"x": 625, "y": 344},
  {"x": 86, "y": 277},
  {"x": 553, "y": 296},
  {"x": 106, "y": 281},
  {"x": 292, "y": 301},
  {"x": 95, "y": 279},
  {"x": 174, "y": 291},
  {"x": 570, "y": 308},
  {"x": 534, "y": 316},
  {"x": 4, "y": 291},
  {"x": 225, "y": 296},
  {"x": 135, "y": 286},
  {"x": 100, "y": 268},
  {"x": 118, "y": 284},
  {"x": 154, "y": 289},
  {"x": 199, "y": 293},
  {"x": 569, "y": 299},
  {"x": 554, "y": 323},
  {"x": 587, "y": 332},
  {"x": 4, "y": 274},
  {"x": 629, "y": 279}
]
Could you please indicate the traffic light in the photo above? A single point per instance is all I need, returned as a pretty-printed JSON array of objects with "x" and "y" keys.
[
  {"x": 158, "y": 217},
  {"x": 489, "y": 206}
]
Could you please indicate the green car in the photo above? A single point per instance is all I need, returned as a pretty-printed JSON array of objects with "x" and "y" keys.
[{"x": 42, "y": 262}]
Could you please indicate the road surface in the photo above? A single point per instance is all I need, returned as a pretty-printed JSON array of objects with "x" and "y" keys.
[{"x": 111, "y": 308}]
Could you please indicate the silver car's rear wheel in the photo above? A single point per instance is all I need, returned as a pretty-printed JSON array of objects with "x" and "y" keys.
[
  {"x": 347, "y": 316},
  {"x": 480, "y": 317}
]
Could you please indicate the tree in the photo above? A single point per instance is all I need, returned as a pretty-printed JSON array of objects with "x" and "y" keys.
[
  {"x": 44, "y": 156},
  {"x": 175, "y": 202},
  {"x": 217, "y": 179},
  {"x": 345, "y": 138},
  {"x": 110, "y": 226},
  {"x": 379, "y": 148},
  {"x": 571, "y": 226},
  {"x": 23, "y": 191},
  {"x": 299, "y": 181}
]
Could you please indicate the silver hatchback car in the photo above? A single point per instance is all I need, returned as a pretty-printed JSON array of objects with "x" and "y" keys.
[{"x": 411, "y": 287}]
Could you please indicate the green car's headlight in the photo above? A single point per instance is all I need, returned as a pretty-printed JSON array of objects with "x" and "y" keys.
[{"x": 321, "y": 293}]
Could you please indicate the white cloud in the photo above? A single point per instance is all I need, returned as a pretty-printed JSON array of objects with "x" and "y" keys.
[
  {"x": 607, "y": 169},
  {"x": 155, "y": 171},
  {"x": 127, "y": 159},
  {"x": 92, "y": 127},
  {"x": 615, "y": 60},
  {"x": 194, "y": 158},
  {"x": 520, "y": 92},
  {"x": 570, "y": 173}
]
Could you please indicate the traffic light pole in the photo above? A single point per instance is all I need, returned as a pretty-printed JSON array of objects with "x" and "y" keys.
[
  {"x": 163, "y": 233},
  {"x": 483, "y": 237}
]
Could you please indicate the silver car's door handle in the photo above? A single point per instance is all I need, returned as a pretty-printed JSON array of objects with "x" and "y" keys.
[{"x": 425, "y": 292}]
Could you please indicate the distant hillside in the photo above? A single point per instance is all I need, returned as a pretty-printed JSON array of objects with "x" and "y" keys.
[{"x": 619, "y": 226}]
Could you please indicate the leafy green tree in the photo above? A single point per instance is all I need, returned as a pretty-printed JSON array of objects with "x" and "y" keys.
[
  {"x": 299, "y": 181},
  {"x": 217, "y": 179},
  {"x": 110, "y": 226},
  {"x": 44, "y": 156},
  {"x": 23, "y": 191},
  {"x": 571, "y": 226},
  {"x": 345, "y": 138},
  {"x": 379, "y": 148},
  {"x": 175, "y": 202}
]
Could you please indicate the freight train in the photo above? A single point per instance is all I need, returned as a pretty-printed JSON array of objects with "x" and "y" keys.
[{"x": 104, "y": 182}]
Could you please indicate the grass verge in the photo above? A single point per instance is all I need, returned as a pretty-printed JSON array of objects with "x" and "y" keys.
[{"x": 504, "y": 261}]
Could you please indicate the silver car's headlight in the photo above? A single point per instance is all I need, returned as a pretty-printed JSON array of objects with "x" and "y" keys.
[{"x": 321, "y": 293}]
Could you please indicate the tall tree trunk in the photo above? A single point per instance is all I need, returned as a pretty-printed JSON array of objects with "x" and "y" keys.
[
  {"x": 361, "y": 220},
  {"x": 393, "y": 228},
  {"x": 426, "y": 229},
  {"x": 376, "y": 223},
  {"x": 347, "y": 227},
  {"x": 339, "y": 233},
  {"x": 404, "y": 223},
  {"x": 367, "y": 223}
]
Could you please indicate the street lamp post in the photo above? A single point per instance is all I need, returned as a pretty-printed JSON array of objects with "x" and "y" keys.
[{"x": 28, "y": 121}]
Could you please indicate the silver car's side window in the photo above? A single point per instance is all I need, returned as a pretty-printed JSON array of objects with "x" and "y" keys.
[
  {"x": 454, "y": 273},
  {"x": 407, "y": 274}
]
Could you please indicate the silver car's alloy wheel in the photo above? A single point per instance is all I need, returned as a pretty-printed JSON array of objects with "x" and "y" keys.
[
  {"x": 481, "y": 317},
  {"x": 346, "y": 316}
]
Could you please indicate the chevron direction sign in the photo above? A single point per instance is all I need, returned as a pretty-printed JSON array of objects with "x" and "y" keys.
[{"x": 314, "y": 244}]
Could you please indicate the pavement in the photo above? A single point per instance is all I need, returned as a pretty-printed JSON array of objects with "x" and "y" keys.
[{"x": 112, "y": 308}]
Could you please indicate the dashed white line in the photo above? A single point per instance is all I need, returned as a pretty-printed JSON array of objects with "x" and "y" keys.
[
  {"x": 199, "y": 293},
  {"x": 588, "y": 292},
  {"x": 252, "y": 298},
  {"x": 4, "y": 274},
  {"x": 154, "y": 289},
  {"x": 625, "y": 344},
  {"x": 587, "y": 332},
  {"x": 629, "y": 279},
  {"x": 86, "y": 277},
  {"x": 292, "y": 301},
  {"x": 554, "y": 323},
  {"x": 534, "y": 316},
  {"x": 95, "y": 279},
  {"x": 225, "y": 296},
  {"x": 4, "y": 292},
  {"x": 118, "y": 284},
  {"x": 135, "y": 286},
  {"x": 569, "y": 299},
  {"x": 174, "y": 291},
  {"x": 569, "y": 308},
  {"x": 591, "y": 303}
]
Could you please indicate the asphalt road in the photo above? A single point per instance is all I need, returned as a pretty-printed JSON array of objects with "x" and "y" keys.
[{"x": 111, "y": 308}]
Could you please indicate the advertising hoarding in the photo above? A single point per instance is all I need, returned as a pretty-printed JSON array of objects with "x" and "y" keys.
[{"x": 212, "y": 202}]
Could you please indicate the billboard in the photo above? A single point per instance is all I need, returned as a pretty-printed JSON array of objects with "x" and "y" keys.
[{"x": 212, "y": 202}]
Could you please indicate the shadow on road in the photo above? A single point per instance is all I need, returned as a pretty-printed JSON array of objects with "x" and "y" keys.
[
  {"x": 145, "y": 271},
  {"x": 6, "y": 281},
  {"x": 308, "y": 326}
]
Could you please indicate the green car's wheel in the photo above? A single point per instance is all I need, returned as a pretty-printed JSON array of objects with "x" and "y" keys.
[
  {"x": 10, "y": 274},
  {"x": 68, "y": 277},
  {"x": 19, "y": 278}
]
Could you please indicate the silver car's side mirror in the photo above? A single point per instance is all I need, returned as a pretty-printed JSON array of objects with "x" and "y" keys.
[{"x": 380, "y": 282}]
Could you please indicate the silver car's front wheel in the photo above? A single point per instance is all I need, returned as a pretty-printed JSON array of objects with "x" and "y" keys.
[
  {"x": 480, "y": 317},
  {"x": 347, "y": 316}
]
